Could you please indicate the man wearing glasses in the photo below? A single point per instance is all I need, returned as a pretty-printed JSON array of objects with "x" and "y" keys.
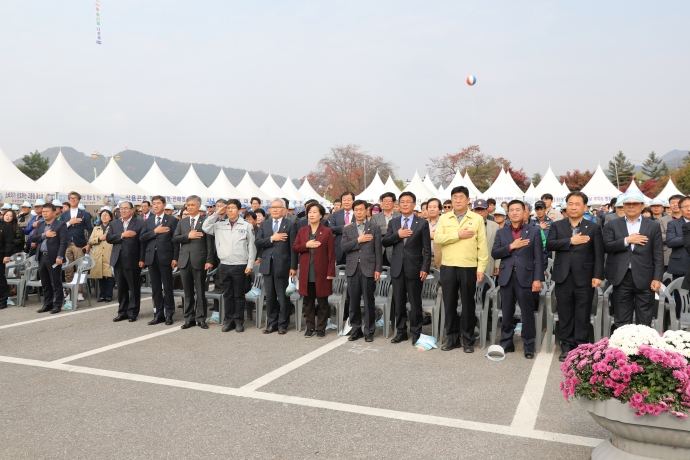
[{"x": 383, "y": 218}]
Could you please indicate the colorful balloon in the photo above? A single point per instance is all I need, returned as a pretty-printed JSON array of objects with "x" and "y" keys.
[{"x": 471, "y": 80}]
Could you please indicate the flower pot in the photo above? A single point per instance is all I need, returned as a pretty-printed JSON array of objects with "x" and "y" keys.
[{"x": 663, "y": 437}]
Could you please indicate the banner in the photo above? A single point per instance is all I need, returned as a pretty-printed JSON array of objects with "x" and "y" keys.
[{"x": 98, "y": 22}]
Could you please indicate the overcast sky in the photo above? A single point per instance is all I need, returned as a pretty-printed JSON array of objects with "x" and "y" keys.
[{"x": 273, "y": 85}]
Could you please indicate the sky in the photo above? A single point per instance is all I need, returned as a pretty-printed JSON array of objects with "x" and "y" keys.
[{"x": 273, "y": 85}]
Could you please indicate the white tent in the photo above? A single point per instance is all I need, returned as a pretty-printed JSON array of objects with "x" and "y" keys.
[
  {"x": 248, "y": 187},
  {"x": 504, "y": 188},
  {"x": 374, "y": 191},
  {"x": 270, "y": 188},
  {"x": 309, "y": 193},
  {"x": 530, "y": 192},
  {"x": 116, "y": 185},
  {"x": 511, "y": 181},
  {"x": 420, "y": 190},
  {"x": 669, "y": 191},
  {"x": 474, "y": 191},
  {"x": 565, "y": 188},
  {"x": 155, "y": 183},
  {"x": 599, "y": 189},
  {"x": 456, "y": 182},
  {"x": 634, "y": 188},
  {"x": 429, "y": 184},
  {"x": 391, "y": 187},
  {"x": 15, "y": 186},
  {"x": 223, "y": 188},
  {"x": 549, "y": 184},
  {"x": 192, "y": 185},
  {"x": 290, "y": 191},
  {"x": 61, "y": 179}
]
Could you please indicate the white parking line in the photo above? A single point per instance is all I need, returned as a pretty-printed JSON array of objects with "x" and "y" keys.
[
  {"x": 341, "y": 407},
  {"x": 62, "y": 315},
  {"x": 528, "y": 407}
]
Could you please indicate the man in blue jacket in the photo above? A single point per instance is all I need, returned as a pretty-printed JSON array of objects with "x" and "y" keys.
[{"x": 79, "y": 228}]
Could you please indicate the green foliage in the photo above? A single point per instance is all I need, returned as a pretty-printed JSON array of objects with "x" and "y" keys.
[
  {"x": 34, "y": 165},
  {"x": 536, "y": 178},
  {"x": 619, "y": 164},
  {"x": 400, "y": 183},
  {"x": 653, "y": 167}
]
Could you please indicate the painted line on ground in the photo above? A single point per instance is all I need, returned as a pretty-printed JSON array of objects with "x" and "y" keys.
[
  {"x": 63, "y": 315},
  {"x": 528, "y": 407},
  {"x": 314, "y": 403},
  {"x": 116, "y": 345},
  {"x": 291, "y": 366}
]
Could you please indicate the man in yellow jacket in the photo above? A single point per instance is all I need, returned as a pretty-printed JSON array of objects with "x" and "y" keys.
[{"x": 464, "y": 257}]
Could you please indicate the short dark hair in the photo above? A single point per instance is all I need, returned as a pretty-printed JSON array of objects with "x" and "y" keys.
[
  {"x": 426, "y": 203},
  {"x": 440, "y": 205},
  {"x": 676, "y": 197},
  {"x": 347, "y": 193},
  {"x": 159, "y": 198},
  {"x": 360, "y": 202},
  {"x": 148, "y": 202},
  {"x": 236, "y": 202},
  {"x": 50, "y": 206},
  {"x": 410, "y": 194},
  {"x": 388, "y": 195},
  {"x": 460, "y": 189},
  {"x": 321, "y": 209},
  {"x": 613, "y": 201},
  {"x": 491, "y": 201},
  {"x": 73, "y": 193},
  {"x": 577, "y": 193},
  {"x": 254, "y": 198},
  {"x": 310, "y": 201},
  {"x": 260, "y": 211},
  {"x": 250, "y": 214},
  {"x": 682, "y": 200},
  {"x": 106, "y": 210},
  {"x": 337, "y": 200},
  {"x": 287, "y": 202},
  {"x": 512, "y": 202},
  {"x": 447, "y": 202},
  {"x": 545, "y": 196}
]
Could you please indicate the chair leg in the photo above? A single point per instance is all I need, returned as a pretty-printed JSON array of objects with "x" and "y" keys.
[
  {"x": 549, "y": 332},
  {"x": 538, "y": 337},
  {"x": 20, "y": 295},
  {"x": 298, "y": 314},
  {"x": 482, "y": 329}
]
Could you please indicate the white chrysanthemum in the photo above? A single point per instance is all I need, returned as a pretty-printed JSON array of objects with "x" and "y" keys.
[
  {"x": 678, "y": 341},
  {"x": 628, "y": 338}
]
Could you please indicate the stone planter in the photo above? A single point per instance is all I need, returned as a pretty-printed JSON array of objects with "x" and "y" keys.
[{"x": 636, "y": 438}]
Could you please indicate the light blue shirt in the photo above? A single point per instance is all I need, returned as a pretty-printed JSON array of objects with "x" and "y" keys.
[{"x": 409, "y": 218}]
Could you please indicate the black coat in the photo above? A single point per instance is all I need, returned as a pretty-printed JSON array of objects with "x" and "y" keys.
[
  {"x": 416, "y": 254},
  {"x": 6, "y": 239},
  {"x": 528, "y": 260},
  {"x": 128, "y": 251},
  {"x": 199, "y": 251},
  {"x": 56, "y": 245},
  {"x": 584, "y": 261},
  {"x": 78, "y": 233},
  {"x": 284, "y": 259},
  {"x": 162, "y": 244},
  {"x": 647, "y": 261}
]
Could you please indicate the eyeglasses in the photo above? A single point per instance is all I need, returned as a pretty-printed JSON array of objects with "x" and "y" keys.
[
  {"x": 407, "y": 202},
  {"x": 446, "y": 207},
  {"x": 276, "y": 207}
]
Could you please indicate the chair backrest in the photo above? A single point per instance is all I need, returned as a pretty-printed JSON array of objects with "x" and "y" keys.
[
  {"x": 666, "y": 279},
  {"x": 16, "y": 262},
  {"x": 429, "y": 288},
  {"x": 259, "y": 281},
  {"x": 339, "y": 284},
  {"x": 482, "y": 290},
  {"x": 382, "y": 286},
  {"x": 683, "y": 294},
  {"x": 549, "y": 269}
]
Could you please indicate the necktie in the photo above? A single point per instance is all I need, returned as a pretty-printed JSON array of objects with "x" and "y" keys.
[
  {"x": 158, "y": 220},
  {"x": 124, "y": 224},
  {"x": 191, "y": 223},
  {"x": 347, "y": 217},
  {"x": 406, "y": 227},
  {"x": 275, "y": 226}
]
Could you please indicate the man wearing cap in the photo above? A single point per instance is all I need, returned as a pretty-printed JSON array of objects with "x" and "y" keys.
[
  {"x": 24, "y": 215},
  {"x": 500, "y": 216},
  {"x": 32, "y": 224},
  {"x": 635, "y": 263},
  {"x": 169, "y": 209},
  {"x": 618, "y": 211},
  {"x": 79, "y": 228},
  {"x": 578, "y": 269},
  {"x": 542, "y": 219},
  {"x": 481, "y": 207},
  {"x": 554, "y": 215},
  {"x": 657, "y": 207},
  {"x": 664, "y": 221}
]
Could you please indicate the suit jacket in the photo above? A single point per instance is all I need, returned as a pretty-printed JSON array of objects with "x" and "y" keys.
[
  {"x": 528, "y": 261},
  {"x": 128, "y": 251},
  {"x": 336, "y": 222},
  {"x": 368, "y": 255},
  {"x": 57, "y": 245},
  {"x": 199, "y": 251},
  {"x": 380, "y": 220},
  {"x": 664, "y": 221},
  {"x": 491, "y": 229},
  {"x": 161, "y": 244},
  {"x": 145, "y": 217},
  {"x": 676, "y": 239},
  {"x": 284, "y": 259},
  {"x": 6, "y": 240},
  {"x": 324, "y": 260},
  {"x": 647, "y": 262},
  {"x": 584, "y": 261},
  {"x": 415, "y": 256},
  {"x": 78, "y": 233}
]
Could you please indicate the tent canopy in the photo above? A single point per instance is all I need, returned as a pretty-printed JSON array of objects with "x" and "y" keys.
[
  {"x": 504, "y": 188},
  {"x": 391, "y": 187},
  {"x": 374, "y": 191},
  {"x": 61, "y": 179},
  {"x": 247, "y": 186},
  {"x": 15, "y": 186},
  {"x": 421, "y": 191},
  {"x": 270, "y": 188},
  {"x": 456, "y": 182},
  {"x": 599, "y": 188},
  {"x": 474, "y": 191},
  {"x": 290, "y": 191},
  {"x": 223, "y": 188},
  {"x": 116, "y": 185},
  {"x": 192, "y": 185},
  {"x": 669, "y": 190},
  {"x": 429, "y": 184},
  {"x": 309, "y": 193},
  {"x": 549, "y": 184},
  {"x": 155, "y": 183}
]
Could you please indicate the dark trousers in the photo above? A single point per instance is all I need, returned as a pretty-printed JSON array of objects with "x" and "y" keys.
[
  {"x": 4, "y": 288},
  {"x": 511, "y": 293},
  {"x": 629, "y": 299},
  {"x": 408, "y": 290},
  {"x": 105, "y": 287},
  {"x": 676, "y": 296},
  {"x": 358, "y": 287},
  {"x": 233, "y": 292},
  {"x": 462, "y": 281},
  {"x": 161, "y": 289},
  {"x": 51, "y": 282},
  {"x": 128, "y": 290},
  {"x": 194, "y": 281},
  {"x": 574, "y": 306},
  {"x": 278, "y": 307},
  {"x": 316, "y": 319}
]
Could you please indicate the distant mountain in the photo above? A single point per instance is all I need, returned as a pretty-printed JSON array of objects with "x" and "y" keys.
[
  {"x": 137, "y": 164},
  {"x": 674, "y": 158}
]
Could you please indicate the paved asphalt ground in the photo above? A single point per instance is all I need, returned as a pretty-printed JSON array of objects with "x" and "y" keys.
[{"x": 78, "y": 386}]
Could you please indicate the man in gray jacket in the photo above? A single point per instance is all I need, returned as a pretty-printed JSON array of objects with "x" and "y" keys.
[
  {"x": 382, "y": 218},
  {"x": 235, "y": 248}
]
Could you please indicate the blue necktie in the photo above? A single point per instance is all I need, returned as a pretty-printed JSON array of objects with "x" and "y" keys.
[{"x": 275, "y": 226}]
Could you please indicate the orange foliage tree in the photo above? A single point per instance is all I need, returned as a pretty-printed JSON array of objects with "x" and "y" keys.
[
  {"x": 576, "y": 180},
  {"x": 481, "y": 167}
]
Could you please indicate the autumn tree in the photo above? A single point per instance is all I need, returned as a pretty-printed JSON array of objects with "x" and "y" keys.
[
  {"x": 343, "y": 169},
  {"x": 34, "y": 165},
  {"x": 536, "y": 178},
  {"x": 576, "y": 180},
  {"x": 519, "y": 176},
  {"x": 481, "y": 167},
  {"x": 682, "y": 177},
  {"x": 620, "y": 169},
  {"x": 654, "y": 167}
]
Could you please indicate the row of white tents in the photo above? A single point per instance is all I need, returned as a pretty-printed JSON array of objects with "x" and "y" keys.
[{"x": 113, "y": 185}]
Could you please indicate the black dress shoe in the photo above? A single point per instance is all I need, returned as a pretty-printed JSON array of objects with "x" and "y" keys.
[
  {"x": 132, "y": 319},
  {"x": 168, "y": 321},
  {"x": 563, "y": 355},
  {"x": 155, "y": 321},
  {"x": 355, "y": 335},
  {"x": 119, "y": 318},
  {"x": 415, "y": 339},
  {"x": 202, "y": 324},
  {"x": 468, "y": 348},
  {"x": 320, "y": 334},
  {"x": 3, "y": 306},
  {"x": 55, "y": 310},
  {"x": 308, "y": 333},
  {"x": 282, "y": 331},
  {"x": 448, "y": 346},
  {"x": 270, "y": 330},
  {"x": 228, "y": 327},
  {"x": 239, "y": 328},
  {"x": 399, "y": 338},
  {"x": 369, "y": 338},
  {"x": 108, "y": 300},
  {"x": 188, "y": 325},
  {"x": 100, "y": 300},
  {"x": 529, "y": 354},
  {"x": 44, "y": 309},
  {"x": 509, "y": 349}
]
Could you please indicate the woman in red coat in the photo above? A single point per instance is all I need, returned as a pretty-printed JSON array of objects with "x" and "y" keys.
[{"x": 315, "y": 245}]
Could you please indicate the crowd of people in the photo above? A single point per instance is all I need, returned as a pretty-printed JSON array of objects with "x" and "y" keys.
[{"x": 624, "y": 242}]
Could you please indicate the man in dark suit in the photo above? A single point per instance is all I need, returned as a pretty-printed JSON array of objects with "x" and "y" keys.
[
  {"x": 520, "y": 248},
  {"x": 635, "y": 262},
  {"x": 197, "y": 254},
  {"x": 364, "y": 251},
  {"x": 161, "y": 256},
  {"x": 128, "y": 259},
  {"x": 79, "y": 228},
  {"x": 145, "y": 211},
  {"x": 51, "y": 239},
  {"x": 6, "y": 250},
  {"x": 578, "y": 269},
  {"x": 410, "y": 264},
  {"x": 338, "y": 220},
  {"x": 274, "y": 242},
  {"x": 679, "y": 260},
  {"x": 382, "y": 219}
]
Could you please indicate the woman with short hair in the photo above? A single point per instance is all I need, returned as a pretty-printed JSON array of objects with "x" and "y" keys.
[{"x": 100, "y": 253}]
